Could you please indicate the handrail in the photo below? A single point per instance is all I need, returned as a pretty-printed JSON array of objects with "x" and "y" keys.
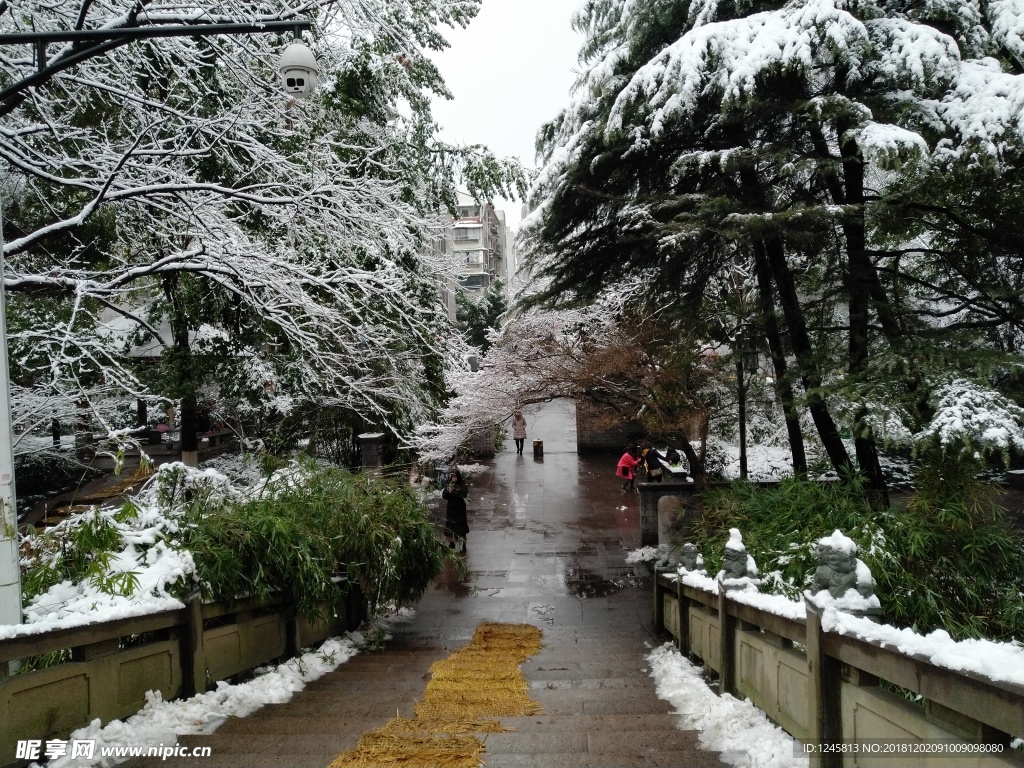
[
  {"x": 36, "y": 644},
  {"x": 181, "y": 652},
  {"x": 999, "y": 705}
]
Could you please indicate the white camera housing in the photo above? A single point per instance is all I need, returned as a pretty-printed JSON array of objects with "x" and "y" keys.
[{"x": 298, "y": 69}]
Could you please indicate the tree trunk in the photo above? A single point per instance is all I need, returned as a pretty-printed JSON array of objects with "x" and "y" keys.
[
  {"x": 860, "y": 278},
  {"x": 189, "y": 433},
  {"x": 700, "y": 478},
  {"x": 84, "y": 443},
  {"x": 184, "y": 382},
  {"x": 754, "y": 192},
  {"x": 783, "y": 385},
  {"x": 802, "y": 348}
]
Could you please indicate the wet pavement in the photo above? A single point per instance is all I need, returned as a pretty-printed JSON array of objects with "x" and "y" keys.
[{"x": 547, "y": 546}]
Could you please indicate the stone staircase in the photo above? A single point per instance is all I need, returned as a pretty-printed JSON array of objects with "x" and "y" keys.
[{"x": 600, "y": 711}]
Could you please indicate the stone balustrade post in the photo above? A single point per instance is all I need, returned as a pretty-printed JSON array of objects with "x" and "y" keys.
[
  {"x": 824, "y": 677},
  {"x": 370, "y": 449}
]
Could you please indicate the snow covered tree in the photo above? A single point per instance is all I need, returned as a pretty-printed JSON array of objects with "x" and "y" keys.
[
  {"x": 169, "y": 183},
  {"x": 631, "y": 364},
  {"x": 782, "y": 135},
  {"x": 477, "y": 315}
]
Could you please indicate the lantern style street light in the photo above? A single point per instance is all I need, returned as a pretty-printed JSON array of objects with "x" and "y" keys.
[{"x": 298, "y": 70}]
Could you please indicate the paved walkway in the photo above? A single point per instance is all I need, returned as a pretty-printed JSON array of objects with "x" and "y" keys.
[{"x": 546, "y": 547}]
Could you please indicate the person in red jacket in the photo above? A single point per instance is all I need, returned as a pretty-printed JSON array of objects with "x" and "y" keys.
[{"x": 627, "y": 464}]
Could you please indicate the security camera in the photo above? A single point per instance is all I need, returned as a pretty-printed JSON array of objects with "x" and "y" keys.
[{"x": 298, "y": 69}]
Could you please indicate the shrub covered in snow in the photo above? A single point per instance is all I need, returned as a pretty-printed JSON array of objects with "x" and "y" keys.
[
  {"x": 948, "y": 560},
  {"x": 294, "y": 532}
]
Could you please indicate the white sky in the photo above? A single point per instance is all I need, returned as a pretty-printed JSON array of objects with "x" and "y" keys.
[{"x": 510, "y": 71}]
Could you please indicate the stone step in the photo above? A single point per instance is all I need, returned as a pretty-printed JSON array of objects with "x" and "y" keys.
[
  {"x": 590, "y": 739},
  {"x": 580, "y": 735},
  {"x": 662, "y": 759}
]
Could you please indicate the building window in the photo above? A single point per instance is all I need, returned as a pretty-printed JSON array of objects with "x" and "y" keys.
[
  {"x": 467, "y": 233},
  {"x": 475, "y": 257},
  {"x": 474, "y": 282}
]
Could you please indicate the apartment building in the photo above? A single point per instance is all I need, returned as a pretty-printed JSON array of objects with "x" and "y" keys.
[
  {"x": 478, "y": 243},
  {"x": 438, "y": 250}
]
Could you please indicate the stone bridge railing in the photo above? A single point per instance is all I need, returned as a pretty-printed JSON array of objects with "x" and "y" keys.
[
  {"x": 109, "y": 666},
  {"x": 827, "y": 688}
]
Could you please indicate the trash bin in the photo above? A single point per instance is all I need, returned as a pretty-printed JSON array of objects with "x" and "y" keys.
[{"x": 538, "y": 449}]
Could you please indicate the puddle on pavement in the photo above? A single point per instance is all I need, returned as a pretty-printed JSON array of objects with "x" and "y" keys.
[
  {"x": 583, "y": 583},
  {"x": 450, "y": 581}
]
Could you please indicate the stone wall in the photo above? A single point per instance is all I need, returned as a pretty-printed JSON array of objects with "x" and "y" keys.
[{"x": 593, "y": 435}]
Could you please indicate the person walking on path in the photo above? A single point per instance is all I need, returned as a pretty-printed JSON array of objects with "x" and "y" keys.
[
  {"x": 519, "y": 430},
  {"x": 456, "y": 526},
  {"x": 627, "y": 464}
]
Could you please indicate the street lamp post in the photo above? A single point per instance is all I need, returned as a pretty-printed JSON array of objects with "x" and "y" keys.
[
  {"x": 10, "y": 562},
  {"x": 297, "y": 70},
  {"x": 95, "y": 42}
]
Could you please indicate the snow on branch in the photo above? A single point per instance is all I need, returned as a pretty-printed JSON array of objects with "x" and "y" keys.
[
  {"x": 535, "y": 358},
  {"x": 301, "y": 227},
  {"x": 970, "y": 418}
]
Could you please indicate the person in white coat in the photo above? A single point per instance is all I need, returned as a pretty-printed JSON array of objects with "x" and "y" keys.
[{"x": 519, "y": 430}]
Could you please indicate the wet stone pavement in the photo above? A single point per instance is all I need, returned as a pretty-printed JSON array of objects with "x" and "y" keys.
[{"x": 547, "y": 547}]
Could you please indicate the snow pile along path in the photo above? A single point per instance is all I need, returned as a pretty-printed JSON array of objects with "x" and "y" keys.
[
  {"x": 161, "y": 722},
  {"x": 737, "y": 729}
]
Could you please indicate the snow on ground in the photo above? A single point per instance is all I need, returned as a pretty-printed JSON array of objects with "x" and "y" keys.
[
  {"x": 147, "y": 554},
  {"x": 242, "y": 470},
  {"x": 642, "y": 555},
  {"x": 160, "y": 722},
  {"x": 764, "y": 462},
  {"x": 737, "y": 729},
  {"x": 149, "y": 551},
  {"x": 470, "y": 471}
]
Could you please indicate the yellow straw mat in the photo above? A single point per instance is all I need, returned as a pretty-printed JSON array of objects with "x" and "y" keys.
[{"x": 466, "y": 691}]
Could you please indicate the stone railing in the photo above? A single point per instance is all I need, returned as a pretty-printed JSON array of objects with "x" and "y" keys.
[
  {"x": 113, "y": 664},
  {"x": 826, "y": 688}
]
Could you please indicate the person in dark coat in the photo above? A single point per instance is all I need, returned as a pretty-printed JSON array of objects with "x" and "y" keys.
[
  {"x": 456, "y": 526},
  {"x": 653, "y": 465}
]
